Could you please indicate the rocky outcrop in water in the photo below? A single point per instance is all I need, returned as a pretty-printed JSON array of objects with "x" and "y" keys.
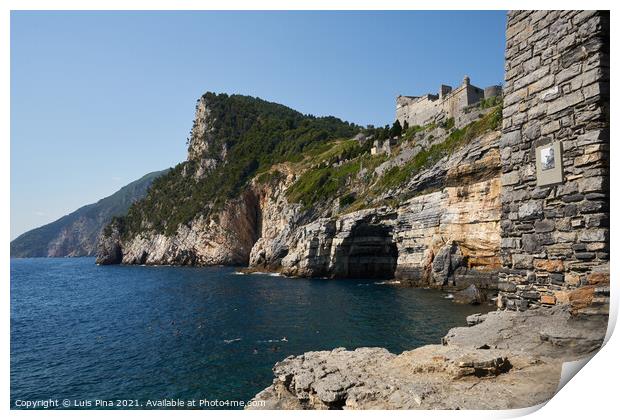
[
  {"x": 224, "y": 239},
  {"x": 505, "y": 360},
  {"x": 109, "y": 245}
]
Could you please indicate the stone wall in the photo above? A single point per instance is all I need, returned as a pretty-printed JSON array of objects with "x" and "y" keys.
[{"x": 555, "y": 238}]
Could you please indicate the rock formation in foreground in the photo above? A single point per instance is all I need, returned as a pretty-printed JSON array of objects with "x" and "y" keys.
[
  {"x": 76, "y": 234},
  {"x": 505, "y": 360}
]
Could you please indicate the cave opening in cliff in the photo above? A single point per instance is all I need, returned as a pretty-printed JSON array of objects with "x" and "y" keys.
[{"x": 368, "y": 252}]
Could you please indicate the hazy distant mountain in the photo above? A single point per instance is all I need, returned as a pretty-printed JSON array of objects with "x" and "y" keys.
[{"x": 76, "y": 234}]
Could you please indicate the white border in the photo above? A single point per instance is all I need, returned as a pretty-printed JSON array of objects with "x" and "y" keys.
[{"x": 592, "y": 395}]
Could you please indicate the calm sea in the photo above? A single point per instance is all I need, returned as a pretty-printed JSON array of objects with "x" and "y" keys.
[{"x": 82, "y": 332}]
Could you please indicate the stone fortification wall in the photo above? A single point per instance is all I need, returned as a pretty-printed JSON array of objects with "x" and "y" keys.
[{"x": 429, "y": 108}]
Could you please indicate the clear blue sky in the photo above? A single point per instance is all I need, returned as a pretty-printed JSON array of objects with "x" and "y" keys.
[{"x": 98, "y": 99}]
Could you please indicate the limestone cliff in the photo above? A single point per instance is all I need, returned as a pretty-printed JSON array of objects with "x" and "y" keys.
[
  {"x": 223, "y": 239},
  {"x": 401, "y": 240},
  {"x": 427, "y": 214},
  {"x": 206, "y": 210}
]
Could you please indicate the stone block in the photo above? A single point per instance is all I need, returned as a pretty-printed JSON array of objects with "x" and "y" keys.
[
  {"x": 562, "y": 296},
  {"x": 551, "y": 127},
  {"x": 594, "y": 235},
  {"x": 572, "y": 279},
  {"x": 548, "y": 299},
  {"x": 564, "y": 102},
  {"x": 531, "y": 209},
  {"x": 590, "y": 159},
  {"x": 550, "y": 94},
  {"x": 592, "y": 206},
  {"x": 506, "y": 286},
  {"x": 568, "y": 73},
  {"x": 583, "y": 16},
  {"x": 565, "y": 237},
  {"x": 514, "y": 98},
  {"x": 585, "y": 255},
  {"x": 510, "y": 178},
  {"x": 531, "y": 243},
  {"x": 523, "y": 261},
  {"x": 563, "y": 224},
  {"x": 530, "y": 295},
  {"x": 512, "y": 138},
  {"x": 555, "y": 266},
  {"x": 572, "y": 198},
  {"x": 597, "y": 220},
  {"x": 559, "y": 250},
  {"x": 598, "y": 278},
  {"x": 581, "y": 298},
  {"x": 575, "y": 223},
  {"x": 541, "y": 84},
  {"x": 532, "y": 131},
  {"x": 556, "y": 278},
  {"x": 570, "y": 210},
  {"x": 578, "y": 247},
  {"x": 567, "y": 189},
  {"x": 511, "y": 243},
  {"x": 545, "y": 225},
  {"x": 591, "y": 184},
  {"x": 597, "y": 246},
  {"x": 591, "y": 137}
]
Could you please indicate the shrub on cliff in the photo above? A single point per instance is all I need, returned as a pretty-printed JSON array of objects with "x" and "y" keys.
[
  {"x": 397, "y": 175},
  {"x": 396, "y": 129}
]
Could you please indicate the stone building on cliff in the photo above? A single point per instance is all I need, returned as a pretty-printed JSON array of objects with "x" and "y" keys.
[{"x": 448, "y": 103}]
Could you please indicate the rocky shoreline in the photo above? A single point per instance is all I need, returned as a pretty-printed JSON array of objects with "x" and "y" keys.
[{"x": 502, "y": 360}]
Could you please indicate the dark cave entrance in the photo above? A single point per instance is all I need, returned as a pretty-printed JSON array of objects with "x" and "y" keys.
[{"x": 368, "y": 252}]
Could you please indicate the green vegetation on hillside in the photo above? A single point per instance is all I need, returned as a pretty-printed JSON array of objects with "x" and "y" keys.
[
  {"x": 327, "y": 181},
  {"x": 413, "y": 130},
  {"x": 334, "y": 170},
  {"x": 490, "y": 102},
  {"x": 397, "y": 175}
]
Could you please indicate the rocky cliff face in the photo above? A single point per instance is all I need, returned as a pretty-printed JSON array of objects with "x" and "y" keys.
[
  {"x": 226, "y": 238},
  {"x": 437, "y": 225},
  {"x": 416, "y": 240}
]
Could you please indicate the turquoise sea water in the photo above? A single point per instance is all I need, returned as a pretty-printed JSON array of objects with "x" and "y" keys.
[{"x": 82, "y": 332}]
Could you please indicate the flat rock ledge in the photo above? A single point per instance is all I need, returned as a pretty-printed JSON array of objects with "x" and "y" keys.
[{"x": 503, "y": 360}]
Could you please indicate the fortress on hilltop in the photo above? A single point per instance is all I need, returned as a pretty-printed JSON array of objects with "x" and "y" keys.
[{"x": 448, "y": 103}]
